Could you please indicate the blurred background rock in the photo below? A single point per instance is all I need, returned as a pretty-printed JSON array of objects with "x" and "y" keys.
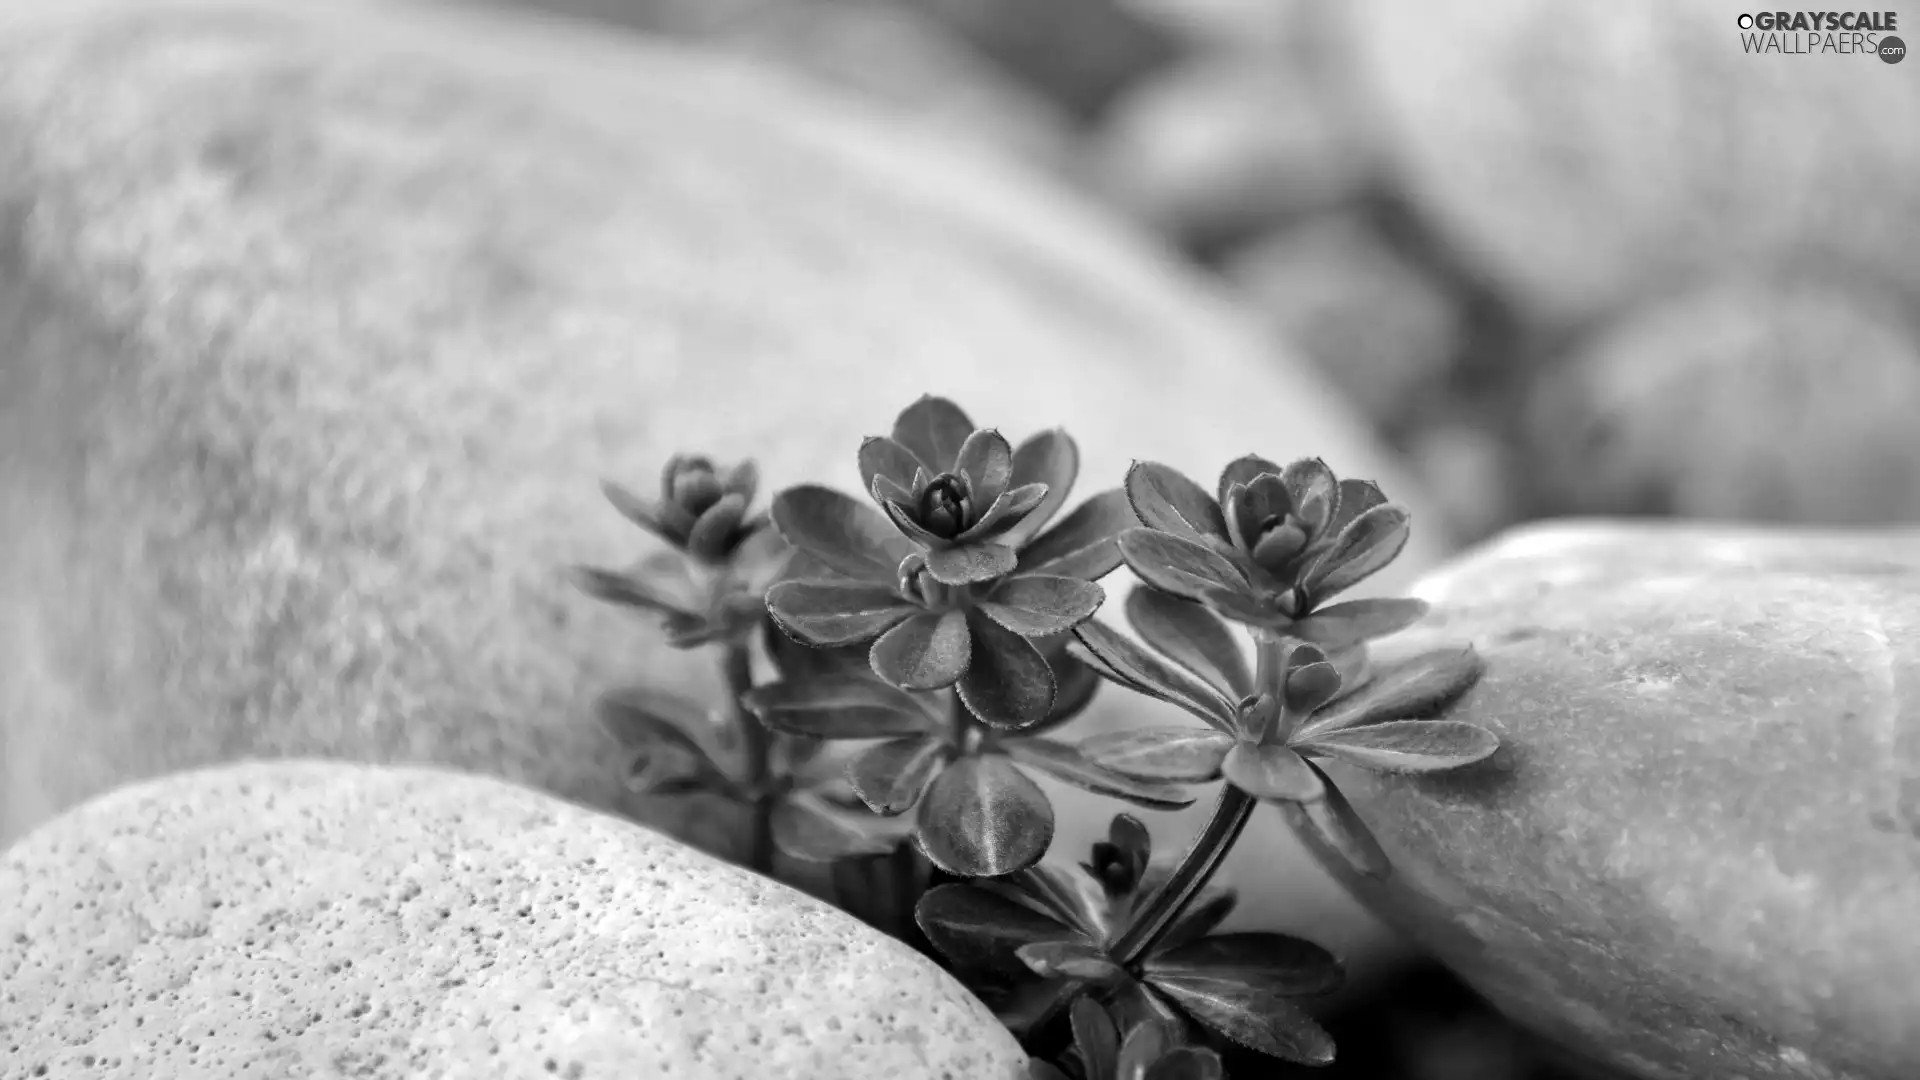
[{"x": 1575, "y": 258}]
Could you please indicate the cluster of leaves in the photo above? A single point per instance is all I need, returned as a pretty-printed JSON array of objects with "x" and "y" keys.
[{"x": 945, "y": 632}]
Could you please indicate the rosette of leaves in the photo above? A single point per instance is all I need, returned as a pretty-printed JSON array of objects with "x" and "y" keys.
[
  {"x": 1270, "y": 546},
  {"x": 1266, "y": 727},
  {"x": 955, "y": 581},
  {"x": 1051, "y": 932},
  {"x": 1147, "y": 1051},
  {"x": 975, "y": 810},
  {"x": 709, "y": 584}
]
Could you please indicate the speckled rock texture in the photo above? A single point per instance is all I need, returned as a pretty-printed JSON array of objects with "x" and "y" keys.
[
  {"x": 303, "y": 918},
  {"x": 319, "y": 324},
  {"x": 1587, "y": 153},
  {"x": 1747, "y": 400},
  {"x": 1698, "y": 853}
]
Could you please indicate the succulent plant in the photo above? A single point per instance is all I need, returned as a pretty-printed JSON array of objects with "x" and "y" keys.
[{"x": 1146, "y": 1051}]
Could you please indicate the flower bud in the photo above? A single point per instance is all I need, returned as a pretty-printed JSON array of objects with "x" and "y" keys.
[
  {"x": 1278, "y": 544},
  {"x": 945, "y": 506},
  {"x": 692, "y": 485}
]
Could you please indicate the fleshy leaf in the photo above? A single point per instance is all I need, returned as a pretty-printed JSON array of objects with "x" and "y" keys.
[
  {"x": 934, "y": 429},
  {"x": 1069, "y": 960},
  {"x": 832, "y": 706},
  {"x": 1251, "y": 505},
  {"x": 970, "y": 563},
  {"x": 1145, "y": 1044},
  {"x": 983, "y": 818},
  {"x": 1075, "y": 684},
  {"x": 1373, "y": 540},
  {"x": 1038, "y": 606},
  {"x": 1117, "y": 658},
  {"x": 1096, "y": 1038},
  {"x": 633, "y": 590},
  {"x": 638, "y": 716},
  {"x": 986, "y": 460},
  {"x": 1243, "y": 470},
  {"x": 1201, "y": 917},
  {"x": 1359, "y": 620},
  {"x": 1413, "y": 688},
  {"x": 978, "y": 928},
  {"x": 674, "y": 768},
  {"x": 1356, "y": 498},
  {"x": 1314, "y": 491},
  {"x": 1334, "y": 830},
  {"x": 1005, "y": 512},
  {"x": 850, "y": 537},
  {"x": 1166, "y": 499},
  {"x": 1180, "y": 566},
  {"x": 1406, "y": 746},
  {"x": 929, "y": 651},
  {"x": 1132, "y": 843},
  {"x": 1279, "y": 964},
  {"x": 1008, "y": 684},
  {"x": 891, "y": 776},
  {"x": 1084, "y": 544},
  {"x": 810, "y": 830},
  {"x": 1186, "y": 1063},
  {"x": 1193, "y": 637},
  {"x": 882, "y": 457},
  {"x": 1312, "y": 680},
  {"x": 1049, "y": 458},
  {"x": 1271, "y": 772},
  {"x": 714, "y": 531},
  {"x": 1066, "y": 764},
  {"x": 829, "y": 614},
  {"x": 1175, "y": 754},
  {"x": 1253, "y": 1016}
]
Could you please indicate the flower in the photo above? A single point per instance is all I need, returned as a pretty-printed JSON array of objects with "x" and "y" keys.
[
  {"x": 1271, "y": 547},
  {"x": 976, "y": 812},
  {"x": 1263, "y": 726},
  {"x": 711, "y": 585},
  {"x": 916, "y": 584},
  {"x": 1148, "y": 1051},
  {"x": 1052, "y": 930}
]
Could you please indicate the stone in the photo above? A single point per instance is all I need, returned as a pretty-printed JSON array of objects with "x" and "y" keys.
[
  {"x": 304, "y": 917},
  {"x": 1222, "y": 147},
  {"x": 1584, "y": 155},
  {"x": 319, "y": 325},
  {"x": 891, "y": 58},
  {"x": 1383, "y": 329},
  {"x": 1777, "y": 401},
  {"x": 1698, "y": 852}
]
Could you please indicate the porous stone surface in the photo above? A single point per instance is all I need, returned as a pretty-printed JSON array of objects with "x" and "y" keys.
[
  {"x": 1755, "y": 400},
  {"x": 319, "y": 324},
  {"x": 302, "y": 918},
  {"x": 1698, "y": 851},
  {"x": 1584, "y": 154}
]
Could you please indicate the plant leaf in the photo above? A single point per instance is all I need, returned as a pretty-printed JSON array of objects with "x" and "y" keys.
[
  {"x": 1200, "y": 918},
  {"x": 832, "y": 706},
  {"x": 934, "y": 429},
  {"x": 1066, "y": 764},
  {"x": 1341, "y": 625},
  {"x": 810, "y": 830},
  {"x": 1050, "y": 458},
  {"x": 978, "y": 928},
  {"x": 1166, "y": 499},
  {"x": 1252, "y": 1016},
  {"x": 1249, "y": 506},
  {"x": 1176, "y": 754},
  {"x": 1314, "y": 491},
  {"x": 881, "y": 457},
  {"x": 714, "y": 530},
  {"x": 1373, "y": 540},
  {"x": 1271, "y": 772},
  {"x": 1005, "y": 512},
  {"x": 1334, "y": 830},
  {"x": 970, "y": 563},
  {"x": 1130, "y": 839},
  {"x": 631, "y": 590},
  {"x": 1406, "y": 746},
  {"x": 1278, "y": 964},
  {"x": 1410, "y": 689},
  {"x": 1193, "y": 637},
  {"x": 829, "y": 614},
  {"x": 983, "y": 818},
  {"x": 1075, "y": 684},
  {"x": 929, "y": 651},
  {"x": 1084, "y": 544},
  {"x": 1356, "y": 498},
  {"x": 891, "y": 776},
  {"x": 1243, "y": 470},
  {"x": 1009, "y": 684},
  {"x": 1186, "y": 1063},
  {"x": 638, "y": 716},
  {"x": 1096, "y": 1038},
  {"x": 986, "y": 460},
  {"x": 851, "y": 537},
  {"x": 1178, "y": 565},
  {"x": 1038, "y": 606},
  {"x": 1120, "y": 660},
  {"x": 1069, "y": 960}
]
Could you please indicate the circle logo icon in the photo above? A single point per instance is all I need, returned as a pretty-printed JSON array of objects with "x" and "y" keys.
[{"x": 1892, "y": 50}]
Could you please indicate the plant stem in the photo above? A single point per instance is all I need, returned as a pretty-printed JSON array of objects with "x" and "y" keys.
[
  {"x": 759, "y": 760},
  {"x": 1196, "y": 868}
]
